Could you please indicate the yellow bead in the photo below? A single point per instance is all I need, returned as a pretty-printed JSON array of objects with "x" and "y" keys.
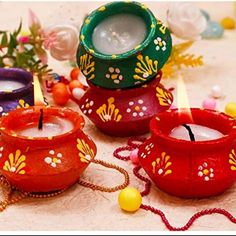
[
  {"x": 228, "y": 23},
  {"x": 130, "y": 199},
  {"x": 230, "y": 109}
]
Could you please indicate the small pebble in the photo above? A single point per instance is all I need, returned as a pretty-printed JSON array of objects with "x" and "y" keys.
[
  {"x": 213, "y": 31},
  {"x": 209, "y": 103},
  {"x": 230, "y": 109},
  {"x": 216, "y": 91},
  {"x": 228, "y": 23},
  {"x": 134, "y": 156}
]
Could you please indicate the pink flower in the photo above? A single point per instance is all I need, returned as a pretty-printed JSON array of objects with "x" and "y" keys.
[
  {"x": 62, "y": 41},
  {"x": 23, "y": 39}
]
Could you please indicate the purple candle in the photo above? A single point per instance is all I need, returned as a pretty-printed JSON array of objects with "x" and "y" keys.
[{"x": 16, "y": 89}]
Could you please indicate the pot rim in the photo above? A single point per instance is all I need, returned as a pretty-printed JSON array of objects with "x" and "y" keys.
[
  {"x": 71, "y": 115},
  {"x": 153, "y": 83},
  {"x": 16, "y": 74},
  {"x": 110, "y": 7},
  {"x": 229, "y": 137}
]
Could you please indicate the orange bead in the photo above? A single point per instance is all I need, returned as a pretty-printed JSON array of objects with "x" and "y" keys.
[
  {"x": 75, "y": 84},
  {"x": 60, "y": 94},
  {"x": 74, "y": 74}
]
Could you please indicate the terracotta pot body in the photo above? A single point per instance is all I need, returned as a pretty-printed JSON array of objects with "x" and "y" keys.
[
  {"x": 125, "y": 112},
  {"x": 190, "y": 169},
  {"x": 22, "y": 97},
  {"x": 43, "y": 164}
]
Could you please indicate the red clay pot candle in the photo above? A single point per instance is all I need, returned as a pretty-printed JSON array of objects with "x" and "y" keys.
[
  {"x": 187, "y": 168},
  {"x": 44, "y": 149}
]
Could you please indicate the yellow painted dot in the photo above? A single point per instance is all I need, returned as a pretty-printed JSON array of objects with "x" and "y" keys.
[
  {"x": 152, "y": 25},
  {"x": 137, "y": 47},
  {"x": 54, "y": 160},
  {"x": 130, "y": 199},
  {"x": 157, "y": 118},
  {"x": 14, "y": 135},
  {"x": 103, "y": 8},
  {"x": 30, "y": 137},
  {"x": 228, "y": 23},
  {"x": 230, "y": 109},
  {"x": 113, "y": 56},
  {"x": 91, "y": 51},
  {"x": 144, "y": 6},
  {"x": 137, "y": 108},
  {"x": 205, "y": 171},
  {"x": 87, "y": 105},
  {"x": 2, "y": 128},
  {"x": 87, "y": 21},
  {"x": 50, "y": 138},
  {"x": 82, "y": 37}
]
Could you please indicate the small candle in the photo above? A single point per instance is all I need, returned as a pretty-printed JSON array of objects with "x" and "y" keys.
[
  {"x": 201, "y": 133},
  {"x": 52, "y": 126},
  {"x": 119, "y": 33},
  {"x": 10, "y": 85}
]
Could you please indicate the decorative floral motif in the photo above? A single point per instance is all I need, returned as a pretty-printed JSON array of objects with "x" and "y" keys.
[
  {"x": 86, "y": 65},
  {"x": 1, "y": 109},
  {"x": 160, "y": 44},
  {"x": 162, "y": 165},
  {"x": 147, "y": 150},
  {"x": 15, "y": 163},
  {"x": 87, "y": 106},
  {"x": 232, "y": 160},
  {"x": 22, "y": 104},
  {"x": 165, "y": 98},
  {"x": 205, "y": 172},
  {"x": 109, "y": 112},
  {"x": 136, "y": 108},
  {"x": 54, "y": 159},
  {"x": 145, "y": 68},
  {"x": 162, "y": 27},
  {"x": 86, "y": 154},
  {"x": 114, "y": 74},
  {"x": 1, "y": 150}
]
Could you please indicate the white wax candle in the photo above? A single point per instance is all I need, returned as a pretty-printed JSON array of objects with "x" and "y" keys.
[
  {"x": 51, "y": 127},
  {"x": 201, "y": 133},
  {"x": 119, "y": 33},
  {"x": 10, "y": 85}
]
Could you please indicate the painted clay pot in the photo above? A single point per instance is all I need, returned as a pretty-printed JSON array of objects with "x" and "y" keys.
[
  {"x": 22, "y": 97},
  {"x": 190, "y": 169},
  {"x": 144, "y": 61},
  {"x": 125, "y": 112},
  {"x": 43, "y": 164}
]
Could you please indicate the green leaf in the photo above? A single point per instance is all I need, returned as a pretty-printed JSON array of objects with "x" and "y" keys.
[
  {"x": 18, "y": 30},
  {"x": 4, "y": 40},
  {"x": 12, "y": 44}
]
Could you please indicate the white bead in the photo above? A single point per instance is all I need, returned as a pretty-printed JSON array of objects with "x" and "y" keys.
[
  {"x": 78, "y": 93},
  {"x": 216, "y": 91}
]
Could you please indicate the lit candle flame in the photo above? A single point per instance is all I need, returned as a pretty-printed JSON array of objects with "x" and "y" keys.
[
  {"x": 38, "y": 95},
  {"x": 182, "y": 98}
]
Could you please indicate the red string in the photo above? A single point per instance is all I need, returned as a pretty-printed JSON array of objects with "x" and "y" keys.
[
  {"x": 117, "y": 154},
  {"x": 146, "y": 191}
]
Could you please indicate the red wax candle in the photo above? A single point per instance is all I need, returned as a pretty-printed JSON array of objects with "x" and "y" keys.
[
  {"x": 190, "y": 168},
  {"x": 35, "y": 161}
]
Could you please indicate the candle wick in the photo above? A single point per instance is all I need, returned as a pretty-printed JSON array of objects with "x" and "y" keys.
[
  {"x": 190, "y": 132},
  {"x": 40, "y": 123}
]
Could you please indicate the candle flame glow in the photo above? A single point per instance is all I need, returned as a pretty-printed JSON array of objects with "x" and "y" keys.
[
  {"x": 182, "y": 98},
  {"x": 38, "y": 95}
]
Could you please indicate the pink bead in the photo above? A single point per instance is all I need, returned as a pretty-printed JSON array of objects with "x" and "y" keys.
[
  {"x": 134, "y": 156},
  {"x": 209, "y": 103}
]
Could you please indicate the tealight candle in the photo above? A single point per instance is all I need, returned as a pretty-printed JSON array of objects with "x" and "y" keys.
[
  {"x": 10, "y": 85},
  {"x": 119, "y": 33},
  {"x": 201, "y": 133},
  {"x": 52, "y": 127}
]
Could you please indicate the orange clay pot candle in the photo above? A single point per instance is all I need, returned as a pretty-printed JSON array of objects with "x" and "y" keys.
[{"x": 44, "y": 149}]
